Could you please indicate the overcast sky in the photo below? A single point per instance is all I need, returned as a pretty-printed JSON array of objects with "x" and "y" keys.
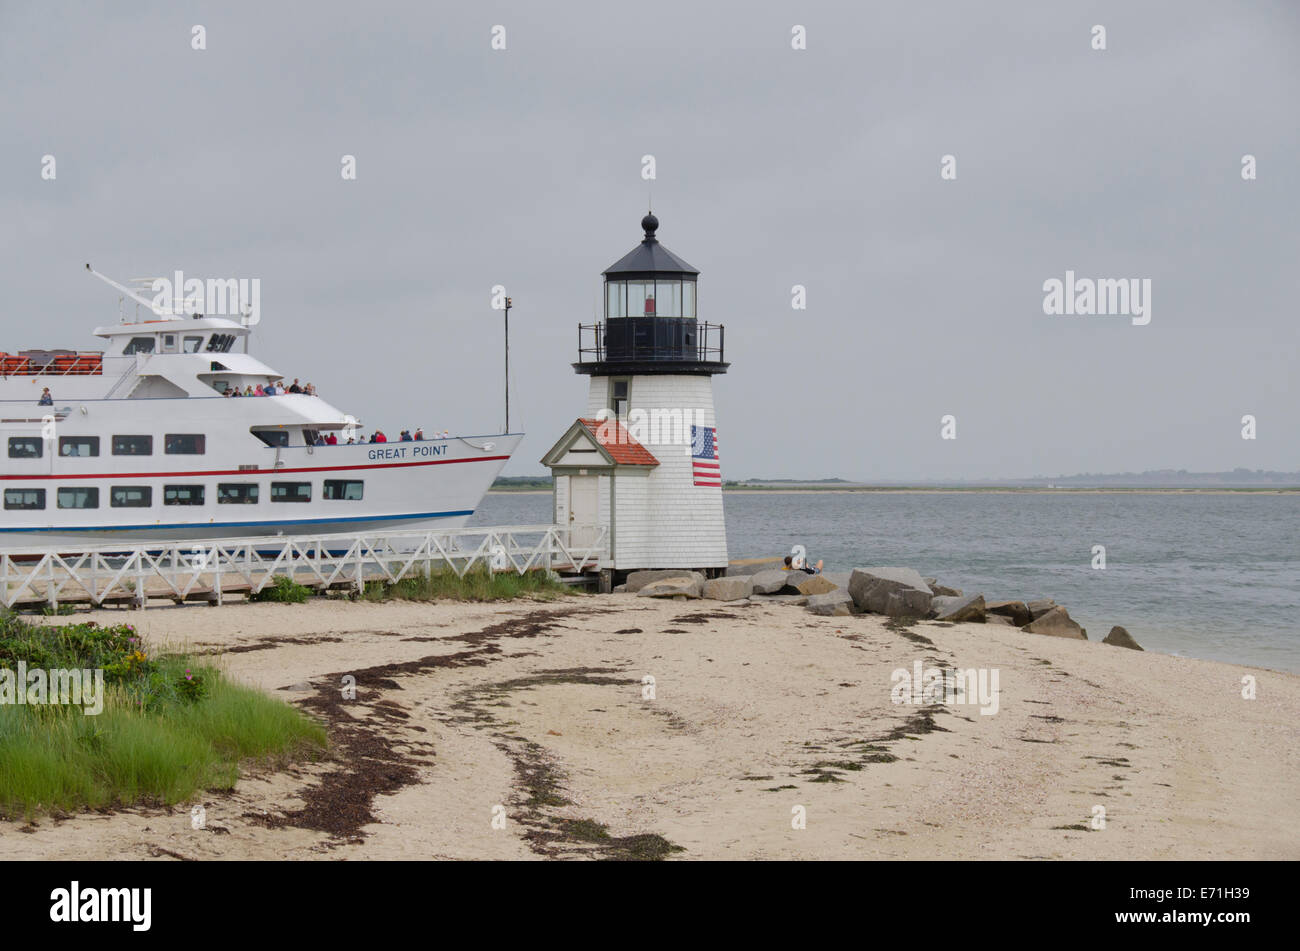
[{"x": 775, "y": 167}]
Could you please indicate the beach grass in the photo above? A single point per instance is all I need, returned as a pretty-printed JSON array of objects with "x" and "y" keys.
[
  {"x": 477, "y": 584},
  {"x": 169, "y": 728}
]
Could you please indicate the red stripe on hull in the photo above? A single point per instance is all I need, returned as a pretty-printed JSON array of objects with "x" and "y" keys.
[{"x": 247, "y": 473}]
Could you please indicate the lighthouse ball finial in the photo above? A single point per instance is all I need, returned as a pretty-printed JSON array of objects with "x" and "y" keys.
[{"x": 651, "y": 224}]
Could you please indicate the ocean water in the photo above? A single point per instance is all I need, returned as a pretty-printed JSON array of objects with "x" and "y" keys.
[{"x": 1209, "y": 576}]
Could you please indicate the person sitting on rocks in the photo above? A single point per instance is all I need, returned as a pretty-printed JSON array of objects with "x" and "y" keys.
[{"x": 789, "y": 566}]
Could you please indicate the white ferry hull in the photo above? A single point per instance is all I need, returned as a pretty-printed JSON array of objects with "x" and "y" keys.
[{"x": 407, "y": 486}]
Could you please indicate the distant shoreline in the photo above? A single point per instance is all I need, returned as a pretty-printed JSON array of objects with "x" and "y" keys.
[{"x": 949, "y": 490}]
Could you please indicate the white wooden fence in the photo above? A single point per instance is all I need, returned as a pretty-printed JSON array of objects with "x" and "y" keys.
[{"x": 205, "y": 570}]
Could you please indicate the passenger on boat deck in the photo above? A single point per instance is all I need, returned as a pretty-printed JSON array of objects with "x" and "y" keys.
[
  {"x": 46, "y": 399},
  {"x": 405, "y": 436},
  {"x": 310, "y": 389},
  {"x": 260, "y": 391},
  {"x": 419, "y": 435},
  {"x": 444, "y": 434},
  {"x": 319, "y": 441},
  {"x": 248, "y": 390},
  {"x": 295, "y": 387},
  {"x": 379, "y": 436},
  {"x": 331, "y": 440}
]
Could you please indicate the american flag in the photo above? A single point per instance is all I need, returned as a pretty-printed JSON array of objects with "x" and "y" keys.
[{"x": 704, "y": 456}]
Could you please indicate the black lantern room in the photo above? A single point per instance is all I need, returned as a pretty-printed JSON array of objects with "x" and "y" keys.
[{"x": 651, "y": 320}]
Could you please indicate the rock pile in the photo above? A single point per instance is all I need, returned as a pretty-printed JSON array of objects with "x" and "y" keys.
[{"x": 894, "y": 592}]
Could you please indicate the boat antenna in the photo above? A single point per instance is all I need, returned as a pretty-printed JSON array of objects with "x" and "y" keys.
[{"x": 130, "y": 293}]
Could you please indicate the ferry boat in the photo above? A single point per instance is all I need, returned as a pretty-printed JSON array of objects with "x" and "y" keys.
[{"x": 138, "y": 443}]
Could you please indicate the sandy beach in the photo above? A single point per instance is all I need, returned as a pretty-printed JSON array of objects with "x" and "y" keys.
[{"x": 538, "y": 715}]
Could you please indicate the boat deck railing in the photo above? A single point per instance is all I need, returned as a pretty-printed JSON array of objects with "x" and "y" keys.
[{"x": 210, "y": 569}]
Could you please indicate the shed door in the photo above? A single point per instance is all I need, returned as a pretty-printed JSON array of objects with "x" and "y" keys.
[{"x": 583, "y": 517}]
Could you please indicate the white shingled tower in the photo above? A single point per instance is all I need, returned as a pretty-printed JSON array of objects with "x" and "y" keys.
[{"x": 643, "y": 459}]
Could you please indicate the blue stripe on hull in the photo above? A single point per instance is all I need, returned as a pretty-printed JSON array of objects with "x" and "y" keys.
[{"x": 211, "y": 526}]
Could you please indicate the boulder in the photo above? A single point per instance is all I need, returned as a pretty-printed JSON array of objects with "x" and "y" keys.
[
  {"x": 752, "y": 566},
  {"x": 639, "y": 579},
  {"x": 957, "y": 610},
  {"x": 1056, "y": 623},
  {"x": 728, "y": 589},
  {"x": 837, "y": 603},
  {"x": 898, "y": 592},
  {"x": 999, "y": 619},
  {"x": 800, "y": 582},
  {"x": 942, "y": 589},
  {"x": 778, "y": 599},
  {"x": 1017, "y": 611},
  {"x": 838, "y": 578},
  {"x": 1118, "y": 637},
  {"x": 682, "y": 588},
  {"x": 769, "y": 581},
  {"x": 619, "y": 588},
  {"x": 1038, "y": 608}
]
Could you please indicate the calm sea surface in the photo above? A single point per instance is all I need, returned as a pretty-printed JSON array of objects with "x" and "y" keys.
[{"x": 1210, "y": 576}]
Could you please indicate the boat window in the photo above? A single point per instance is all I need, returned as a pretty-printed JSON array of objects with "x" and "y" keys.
[
  {"x": 24, "y": 498},
  {"x": 220, "y": 343},
  {"x": 193, "y": 344},
  {"x": 133, "y": 445},
  {"x": 130, "y": 496},
  {"x": 78, "y": 445},
  {"x": 79, "y": 497},
  {"x": 139, "y": 345},
  {"x": 273, "y": 437},
  {"x": 348, "y": 490},
  {"x": 168, "y": 343},
  {"x": 290, "y": 491},
  {"x": 183, "y": 444},
  {"x": 237, "y": 493},
  {"x": 182, "y": 495},
  {"x": 25, "y": 447}
]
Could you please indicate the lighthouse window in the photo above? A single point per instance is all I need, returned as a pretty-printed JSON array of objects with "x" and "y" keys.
[
  {"x": 25, "y": 447},
  {"x": 182, "y": 495},
  {"x": 640, "y": 298},
  {"x": 668, "y": 298},
  {"x": 348, "y": 490},
  {"x": 290, "y": 491},
  {"x": 24, "y": 498},
  {"x": 133, "y": 445},
  {"x": 615, "y": 299},
  {"x": 237, "y": 493},
  {"x": 183, "y": 444},
  {"x": 139, "y": 345},
  {"x": 78, "y": 445},
  {"x": 618, "y": 396},
  {"x": 81, "y": 497},
  {"x": 688, "y": 298},
  {"x": 130, "y": 496}
]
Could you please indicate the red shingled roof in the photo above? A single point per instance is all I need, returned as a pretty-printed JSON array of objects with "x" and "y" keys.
[{"x": 614, "y": 438}]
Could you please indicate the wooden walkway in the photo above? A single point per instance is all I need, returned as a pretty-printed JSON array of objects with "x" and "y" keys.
[{"x": 211, "y": 570}]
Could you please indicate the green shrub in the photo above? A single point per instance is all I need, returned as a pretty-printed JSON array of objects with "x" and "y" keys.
[
  {"x": 170, "y": 727},
  {"x": 478, "y": 584},
  {"x": 283, "y": 590}
]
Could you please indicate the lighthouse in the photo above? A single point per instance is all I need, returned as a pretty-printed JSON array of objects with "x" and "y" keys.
[{"x": 641, "y": 468}]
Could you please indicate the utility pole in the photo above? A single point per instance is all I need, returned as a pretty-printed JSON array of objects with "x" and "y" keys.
[{"x": 509, "y": 302}]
